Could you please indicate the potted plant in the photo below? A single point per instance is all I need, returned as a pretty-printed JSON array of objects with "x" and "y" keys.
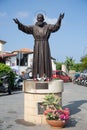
[{"x": 55, "y": 115}]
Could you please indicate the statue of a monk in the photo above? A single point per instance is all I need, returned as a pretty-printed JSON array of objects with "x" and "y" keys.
[{"x": 41, "y": 32}]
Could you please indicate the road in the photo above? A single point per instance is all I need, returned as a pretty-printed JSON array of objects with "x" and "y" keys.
[{"x": 74, "y": 97}]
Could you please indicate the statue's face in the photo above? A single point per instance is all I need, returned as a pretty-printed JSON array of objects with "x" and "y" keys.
[{"x": 40, "y": 18}]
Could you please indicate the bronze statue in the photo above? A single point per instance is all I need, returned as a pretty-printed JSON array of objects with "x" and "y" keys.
[{"x": 41, "y": 32}]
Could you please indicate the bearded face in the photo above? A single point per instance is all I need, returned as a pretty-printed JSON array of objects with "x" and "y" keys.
[{"x": 40, "y": 20}]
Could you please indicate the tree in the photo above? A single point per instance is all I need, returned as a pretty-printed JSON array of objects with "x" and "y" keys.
[
  {"x": 84, "y": 62},
  {"x": 77, "y": 67},
  {"x": 69, "y": 62},
  {"x": 4, "y": 70},
  {"x": 58, "y": 65}
]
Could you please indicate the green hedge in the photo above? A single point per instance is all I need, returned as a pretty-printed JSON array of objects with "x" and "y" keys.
[{"x": 4, "y": 70}]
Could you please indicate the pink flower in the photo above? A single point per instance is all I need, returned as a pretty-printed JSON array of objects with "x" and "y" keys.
[
  {"x": 67, "y": 111},
  {"x": 47, "y": 111},
  {"x": 57, "y": 114},
  {"x": 64, "y": 117},
  {"x": 67, "y": 117}
]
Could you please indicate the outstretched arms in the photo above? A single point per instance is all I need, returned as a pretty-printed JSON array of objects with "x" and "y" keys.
[
  {"x": 23, "y": 28},
  {"x": 55, "y": 27},
  {"x": 16, "y": 21},
  {"x": 60, "y": 18}
]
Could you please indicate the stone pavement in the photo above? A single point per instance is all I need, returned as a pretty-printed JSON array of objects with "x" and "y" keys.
[{"x": 74, "y": 97}]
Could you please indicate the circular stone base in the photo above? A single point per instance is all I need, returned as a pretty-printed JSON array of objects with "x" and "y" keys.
[{"x": 34, "y": 94}]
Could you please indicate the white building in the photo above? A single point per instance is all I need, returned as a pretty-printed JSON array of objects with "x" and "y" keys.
[{"x": 18, "y": 59}]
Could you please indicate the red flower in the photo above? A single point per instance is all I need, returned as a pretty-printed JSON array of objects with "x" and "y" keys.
[{"x": 67, "y": 111}]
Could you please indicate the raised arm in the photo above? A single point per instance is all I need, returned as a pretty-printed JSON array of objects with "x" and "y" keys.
[
  {"x": 24, "y": 28},
  {"x": 55, "y": 27},
  {"x": 16, "y": 21}
]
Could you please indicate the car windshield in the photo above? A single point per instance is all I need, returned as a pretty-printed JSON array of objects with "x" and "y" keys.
[
  {"x": 58, "y": 73},
  {"x": 64, "y": 74}
]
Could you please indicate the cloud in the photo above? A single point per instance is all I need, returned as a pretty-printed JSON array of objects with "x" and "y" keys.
[
  {"x": 2, "y": 14},
  {"x": 51, "y": 20},
  {"x": 22, "y": 14},
  {"x": 48, "y": 20}
]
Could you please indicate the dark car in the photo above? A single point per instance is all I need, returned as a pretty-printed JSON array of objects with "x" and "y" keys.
[{"x": 59, "y": 74}]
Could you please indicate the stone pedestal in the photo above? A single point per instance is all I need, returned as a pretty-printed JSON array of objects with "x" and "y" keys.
[{"x": 34, "y": 93}]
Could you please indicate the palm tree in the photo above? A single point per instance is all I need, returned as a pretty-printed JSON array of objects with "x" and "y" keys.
[
  {"x": 84, "y": 62},
  {"x": 69, "y": 62}
]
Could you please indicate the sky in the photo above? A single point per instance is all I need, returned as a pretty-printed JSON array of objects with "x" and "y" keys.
[{"x": 69, "y": 41}]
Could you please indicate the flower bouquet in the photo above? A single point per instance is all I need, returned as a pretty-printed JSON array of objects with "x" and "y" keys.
[{"x": 54, "y": 113}]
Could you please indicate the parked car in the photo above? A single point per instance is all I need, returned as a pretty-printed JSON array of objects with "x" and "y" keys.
[
  {"x": 61, "y": 75},
  {"x": 84, "y": 73}
]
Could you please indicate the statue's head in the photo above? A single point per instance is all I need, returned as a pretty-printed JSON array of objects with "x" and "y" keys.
[{"x": 40, "y": 18}]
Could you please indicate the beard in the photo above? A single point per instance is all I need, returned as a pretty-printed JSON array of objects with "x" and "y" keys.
[{"x": 40, "y": 24}]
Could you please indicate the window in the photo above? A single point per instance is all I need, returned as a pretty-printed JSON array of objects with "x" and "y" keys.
[
  {"x": 58, "y": 73},
  {"x": 23, "y": 61}
]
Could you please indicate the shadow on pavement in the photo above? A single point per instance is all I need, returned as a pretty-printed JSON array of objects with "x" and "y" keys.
[
  {"x": 74, "y": 108},
  {"x": 22, "y": 122},
  {"x": 6, "y": 94}
]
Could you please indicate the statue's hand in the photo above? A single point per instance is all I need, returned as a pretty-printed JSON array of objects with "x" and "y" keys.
[
  {"x": 61, "y": 16},
  {"x": 16, "y": 21}
]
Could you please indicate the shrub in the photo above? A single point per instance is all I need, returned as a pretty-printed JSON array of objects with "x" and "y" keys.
[{"x": 4, "y": 70}]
